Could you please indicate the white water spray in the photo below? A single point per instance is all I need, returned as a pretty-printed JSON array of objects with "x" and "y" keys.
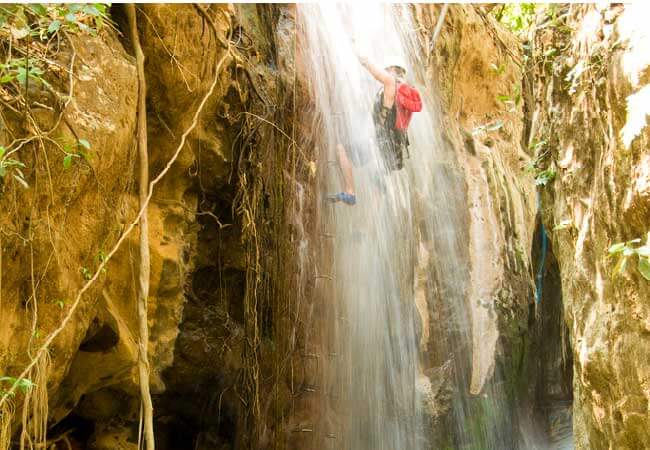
[{"x": 403, "y": 220}]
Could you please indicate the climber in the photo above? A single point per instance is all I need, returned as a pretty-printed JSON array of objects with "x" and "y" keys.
[
  {"x": 395, "y": 104},
  {"x": 392, "y": 113}
]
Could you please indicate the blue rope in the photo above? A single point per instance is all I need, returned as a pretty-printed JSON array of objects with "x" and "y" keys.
[{"x": 542, "y": 258}]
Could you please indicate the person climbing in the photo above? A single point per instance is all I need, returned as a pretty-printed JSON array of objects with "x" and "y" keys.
[
  {"x": 355, "y": 152},
  {"x": 392, "y": 111}
]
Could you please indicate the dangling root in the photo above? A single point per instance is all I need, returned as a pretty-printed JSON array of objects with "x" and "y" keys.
[
  {"x": 145, "y": 264},
  {"x": 6, "y": 414},
  {"x": 35, "y": 408}
]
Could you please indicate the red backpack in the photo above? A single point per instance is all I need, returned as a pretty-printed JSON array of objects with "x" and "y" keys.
[{"x": 408, "y": 101}]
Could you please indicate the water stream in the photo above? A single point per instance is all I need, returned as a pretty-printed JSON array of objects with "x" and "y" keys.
[{"x": 401, "y": 244}]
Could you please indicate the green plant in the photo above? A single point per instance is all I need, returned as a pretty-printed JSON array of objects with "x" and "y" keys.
[
  {"x": 12, "y": 165},
  {"x": 20, "y": 69},
  {"x": 60, "y": 303},
  {"x": 23, "y": 384},
  {"x": 511, "y": 101},
  {"x": 88, "y": 18},
  {"x": 75, "y": 150},
  {"x": 518, "y": 17},
  {"x": 626, "y": 250},
  {"x": 86, "y": 273},
  {"x": 543, "y": 177},
  {"x": 499, "y": 70},
  {"x": 537, "y": 147},
  {"x": 100, "y": 258},
  {"x": 40, "y": 21},
  {"x": 563, "y": 225}
]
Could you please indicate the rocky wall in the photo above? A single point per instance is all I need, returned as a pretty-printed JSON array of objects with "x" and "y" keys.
[{"x": 591, "y": 78}]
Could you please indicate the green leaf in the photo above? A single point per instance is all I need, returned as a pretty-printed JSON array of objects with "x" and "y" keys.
[
  {"x": 641, "y": 251},
  {"x": 563, "y": 225},
  {"x": 67, "y": 161},
  {"x": 84, "y": 143},
  {"x": 24, "y": 384},
  {"x": 616, "y": 248},
  {"x": 18, "y": 177},
  {"x": 628, "y": 251},
  {"x": 644, "y": 267},
  {"x": 500, "y": 69},
  {"x": 620, "y": 266},
  {"x": 91, "y": 10},
  {"x": 7, "y": 78},
  {"x": 54, "y": 26},
  {"x": 21, "y": 75},
  {"x": 2, "y": 151},
  {"x": 70, "y": 17},
  {"x": 101, "y": 7},
  {"x": 38, "y": 9}
]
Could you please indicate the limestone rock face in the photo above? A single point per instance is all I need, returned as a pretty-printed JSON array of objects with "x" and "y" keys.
[
  {"x": 591, "y": 79},
  {"x": 205, "y": 267},
  {"x": 56, "y": 230},
  {"x": 473, "y": 63}
]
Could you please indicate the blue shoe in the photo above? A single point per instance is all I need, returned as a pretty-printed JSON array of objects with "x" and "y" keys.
[{"x": 344, "y": 197}]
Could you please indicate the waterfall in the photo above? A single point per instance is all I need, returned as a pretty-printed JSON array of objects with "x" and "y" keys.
[{"x": 402, "y": 246}]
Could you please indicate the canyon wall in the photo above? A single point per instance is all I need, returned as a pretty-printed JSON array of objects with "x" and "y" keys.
[{"x": 590, "y": 122}]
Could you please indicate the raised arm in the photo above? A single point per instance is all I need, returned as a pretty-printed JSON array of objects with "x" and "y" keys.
[
  {"x": 385, "y": 78},
  {"x": 379, "y": 74}
]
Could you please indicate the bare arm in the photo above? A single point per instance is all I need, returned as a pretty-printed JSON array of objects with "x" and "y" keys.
[{"x": 379, "y": 74}]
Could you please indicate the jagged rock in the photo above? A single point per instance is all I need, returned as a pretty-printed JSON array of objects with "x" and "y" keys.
[{"x": 597, "y": 140}]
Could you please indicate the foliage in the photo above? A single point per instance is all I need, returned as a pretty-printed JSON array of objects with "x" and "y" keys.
[
  {"x": 563, "y": 225},
  {"x": 499, "y": 70},
  {"x": 31, "y": 31},
  {"x": 626, "y": 250},
  {"x": 23, "y": 384},
  {"x": 86, "y": 273},
  {"x": 518, "y": 17},
  {"x": 22, "y": 69},
  {"x": 543, "y": 176},
  {"x": 101, "y": 258},
  {"x": 513, "y": 100},
  {"x": 74, "y": 150},
  {"x": 12, "y": 165},
  {"x": 41, "y": 21}
]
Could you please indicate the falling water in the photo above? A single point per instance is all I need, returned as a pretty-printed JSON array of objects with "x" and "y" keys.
[
  {"x": 374, "y": 375},
  {"x": 406, "y": 220}
]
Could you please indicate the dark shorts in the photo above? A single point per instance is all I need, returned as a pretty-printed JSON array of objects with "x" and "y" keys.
[{"x": 356, "y": 144}]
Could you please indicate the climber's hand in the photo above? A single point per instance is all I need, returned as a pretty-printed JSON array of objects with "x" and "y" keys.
[{"x": 362, "y": 59}]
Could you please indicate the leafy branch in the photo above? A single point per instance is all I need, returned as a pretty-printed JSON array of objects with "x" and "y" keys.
[{"x": 624, "y": 251}]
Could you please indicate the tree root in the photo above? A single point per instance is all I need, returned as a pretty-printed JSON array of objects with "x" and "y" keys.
[{"x": 144, "y": 267}]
